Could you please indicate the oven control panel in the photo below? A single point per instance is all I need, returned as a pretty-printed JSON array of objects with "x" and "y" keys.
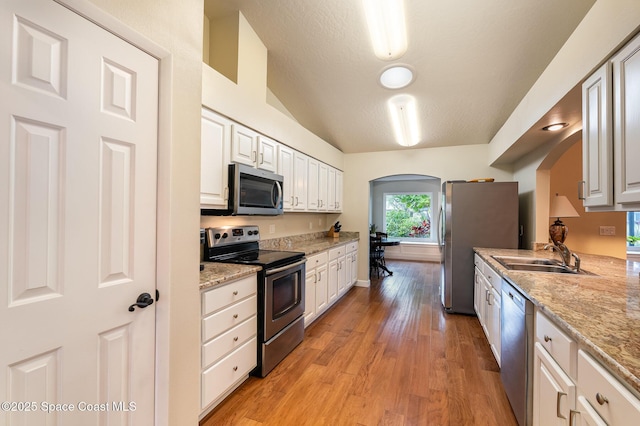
[{"x": 223, "y": 235}]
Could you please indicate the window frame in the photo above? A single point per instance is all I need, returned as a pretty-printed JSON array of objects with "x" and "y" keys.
[
  {"x": 630, "y": 248},
  {"x": 432, "y": 236}
]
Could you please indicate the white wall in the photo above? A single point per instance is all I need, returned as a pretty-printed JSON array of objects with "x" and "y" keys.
[{"x": 461, "y": 162}]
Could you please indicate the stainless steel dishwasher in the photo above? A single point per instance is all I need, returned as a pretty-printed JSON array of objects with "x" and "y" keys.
[{"x": 516, "y": 339}]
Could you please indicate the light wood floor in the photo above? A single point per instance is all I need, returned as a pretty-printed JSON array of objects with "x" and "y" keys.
[{"x": 388, "y": 355}]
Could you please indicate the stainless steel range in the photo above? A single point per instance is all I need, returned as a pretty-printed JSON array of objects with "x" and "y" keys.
[{"x": 280, "y": 289}]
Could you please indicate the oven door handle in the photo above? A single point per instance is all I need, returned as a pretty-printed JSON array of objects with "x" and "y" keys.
[{"x": 284, "y": 268}]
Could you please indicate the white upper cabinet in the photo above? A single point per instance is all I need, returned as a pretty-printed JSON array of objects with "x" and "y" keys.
[
  {"x": 300, "y": 178},
  {"x": 267, "y": 158},
  {"x": 597, "y": 140},
  {"x": 611, "y": 133},
  {"x": 244, "y": 145},
  {"x": 323, "y": 188},
  {"x": 309, "y": 184},
  {"x": 214, "y": 160},
  {"x": 313, "y": 184},
  {"x": 285, "y": 168},
  {"x": 253, "y": 149},
  {"x": 626, "y": 84}
]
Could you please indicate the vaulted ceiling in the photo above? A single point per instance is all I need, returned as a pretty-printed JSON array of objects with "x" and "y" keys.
[{"x": 474, "y": 61}]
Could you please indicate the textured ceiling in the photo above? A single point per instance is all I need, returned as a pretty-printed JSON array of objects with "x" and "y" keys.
[{"x": 474, "y": 62}]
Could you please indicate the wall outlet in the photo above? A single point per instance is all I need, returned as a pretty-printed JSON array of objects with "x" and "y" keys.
[
  {"x": 272, "y": 229},
  {"x": 607, "y": 230}
]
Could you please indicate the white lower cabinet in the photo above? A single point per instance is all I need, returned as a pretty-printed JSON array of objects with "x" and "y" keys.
[
  {"x": 229, "y": 338},
  {"x": 572, "y": 388},
  {"x": 329, "y": 275},
  {"x": 487, "y": 302},
  {"x": 612, "y": 402},
  {"x": 554, "y": 392},
  {"x": 352, "y": 264},
  {"x": 316, "y": 279}
]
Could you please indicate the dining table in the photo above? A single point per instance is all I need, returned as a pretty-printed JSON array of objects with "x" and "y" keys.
[{"x": 376, "y": 243}]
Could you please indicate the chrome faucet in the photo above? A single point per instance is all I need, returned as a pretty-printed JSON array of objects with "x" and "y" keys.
[{"x": 565, "y": 254}]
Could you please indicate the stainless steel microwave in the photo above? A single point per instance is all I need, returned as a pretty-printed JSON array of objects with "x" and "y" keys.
[{"x": 254, "y": 192}]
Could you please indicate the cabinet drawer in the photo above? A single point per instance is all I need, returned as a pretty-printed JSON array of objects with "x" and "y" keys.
[
  {"x": 317, "y": 260},
  {"x": 222, "y": 296},
  {"x": 229, "y": 317},
  {"x": 213, "y": 350},
  {"x": 561, "y": 347},
  {"x": 477, "y": 260},
  {"x": 224, "y": 374},
  {"x": 493, "y": 277},
  {"x": 335, "y": 253},
  {"x": 351, "y": 247},
  {"x": 613, "y": 402}
]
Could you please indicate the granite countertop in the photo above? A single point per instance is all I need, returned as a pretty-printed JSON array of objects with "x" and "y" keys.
[
  {"x": 601, "y": 312},
  {"x": 215, "y": 273}
]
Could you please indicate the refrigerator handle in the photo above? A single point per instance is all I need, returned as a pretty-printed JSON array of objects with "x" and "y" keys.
[{"x": 440, "y": 216}]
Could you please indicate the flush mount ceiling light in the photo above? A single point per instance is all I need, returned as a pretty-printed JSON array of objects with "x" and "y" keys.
[
  {"x": 385, "y": 19},
  {"x": 555, "y": 127},
  {"x": 404, "y": 117},
  {"x": 396, "y": 77}
]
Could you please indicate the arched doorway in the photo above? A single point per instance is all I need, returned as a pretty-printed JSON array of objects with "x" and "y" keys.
[{"x": 406, "y": 206}]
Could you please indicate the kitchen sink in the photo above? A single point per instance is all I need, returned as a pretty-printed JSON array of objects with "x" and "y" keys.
[
  {"x": 506, "y": 260},
  {"x": 536, "y": 264}
]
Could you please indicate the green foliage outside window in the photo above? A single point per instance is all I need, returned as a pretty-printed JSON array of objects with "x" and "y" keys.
[{"x": 408, "y": 215}]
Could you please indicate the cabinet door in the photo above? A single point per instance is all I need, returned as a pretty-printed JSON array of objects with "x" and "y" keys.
[
  {"x": 597, "y": 139},
  {"x": 323, "y": 176},
  {"x": 313, "y": 200},
  {"x": 333, "y": 280},
  {"x": 331, "y": 189},
  {"x": 478, "y": 293},
  {"x": 354, "y": 268},
  {"x": 244, "y": 145},
  {"x": 214, "y": 160},
  {"x": 342, "y": 274},
  {"x": 285, "y": 168},
  {"x": 267, "y": 154},
  {"x": 626, "y": 84},
  {"x": 300, "y": 164},
  {"x": 311, "y": 279},
  {"x": 486, "y": 290},
  {"x": 554, "y": 393},
  {"x": 322, "y": 291},
  {"x": 338, "y": 191},
  {"x": 495, "y": 307}
]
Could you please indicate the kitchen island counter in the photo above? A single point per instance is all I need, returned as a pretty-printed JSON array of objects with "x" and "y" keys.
[{"x": 601, "y": 311}]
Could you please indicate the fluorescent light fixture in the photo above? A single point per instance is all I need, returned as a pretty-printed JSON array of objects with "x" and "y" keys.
[
  {"x": 554, "y": 127},
  {"x": 404, "y": 117},
  {"x": 385, "y": 19},
  {"x": 396, "y": 77}
]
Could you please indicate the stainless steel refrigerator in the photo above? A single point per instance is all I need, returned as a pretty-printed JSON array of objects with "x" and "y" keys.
[{"x": 472, "y": 214}]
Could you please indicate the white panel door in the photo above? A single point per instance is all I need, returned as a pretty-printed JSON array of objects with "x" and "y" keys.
[
  {"x": 78, "y": 142},
  {"x": 285, "y": 168},
  {"x": 313, "y": 201},
  {"x": 215, "y": 144},
  {"x": 244, "y": 145}
]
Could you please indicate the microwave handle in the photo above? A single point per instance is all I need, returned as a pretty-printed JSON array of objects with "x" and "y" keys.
[{"x": 279, "y": 200}]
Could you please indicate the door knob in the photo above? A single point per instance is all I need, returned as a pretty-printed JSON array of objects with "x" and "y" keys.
[{"x": 143, "y": 301}]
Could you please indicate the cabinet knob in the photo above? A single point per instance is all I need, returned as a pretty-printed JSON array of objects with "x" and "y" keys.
[
  {"x": 235, "y": 368},
  {"x": 235, "y": 316},
  {"x": 547, "y": 338},
  {"x": 601, "y": 399},
  {"x": 235, "y": 339},
  {"x": 235, "y": 293}
]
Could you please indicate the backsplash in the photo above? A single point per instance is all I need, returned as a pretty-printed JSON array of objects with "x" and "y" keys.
[{"x": 286, "y": 243}]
